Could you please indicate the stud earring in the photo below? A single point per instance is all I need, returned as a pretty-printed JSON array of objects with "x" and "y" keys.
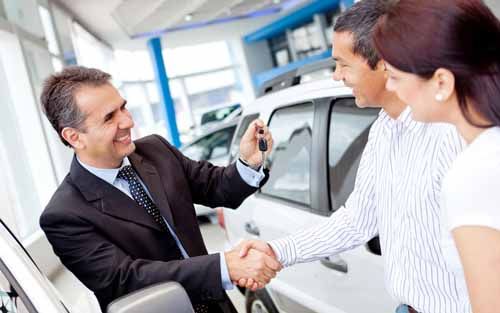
[{"x": 439, "y": 97}]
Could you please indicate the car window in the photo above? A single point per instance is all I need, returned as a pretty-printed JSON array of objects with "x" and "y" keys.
[
  {"x": 235, "y": 148},
  {"x": 349, "y": 127},
  {"x": 218, "y": 115},
  {"x": 9, "y": 302},
  {"x": 290, "y": 159},
  {"x": 211, "y": 146}
]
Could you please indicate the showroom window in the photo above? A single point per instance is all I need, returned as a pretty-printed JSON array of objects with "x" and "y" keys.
[
  {"x": 290, "y": 159},
  {"x": 196, "y": 86}
]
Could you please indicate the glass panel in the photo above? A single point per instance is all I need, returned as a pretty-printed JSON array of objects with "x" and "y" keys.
[
  {"x": 197, "y": 58},
  {"x": 290, "y": 159},
  {"x": 134, "y": 65},
  {"x": 62, "y": 23},
  {"x": 349, "y": 128},
  {"x": 241, "y": 131},
  {"x": 48, "y": 29},
  {"x": 57, "y": 64},
  {"x": 211, "y": 146},
  {"x": 93, "y": 53},
  {"x": 9, "y": 302},
  {"x": 206, "y": 82}
]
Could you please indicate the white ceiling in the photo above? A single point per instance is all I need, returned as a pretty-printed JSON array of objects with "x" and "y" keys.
[{"x": 117, "y": 21}]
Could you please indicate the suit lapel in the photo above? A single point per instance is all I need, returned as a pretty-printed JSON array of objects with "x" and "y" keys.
[
  {"x": 151, "y": 179},
  {"x": 109, "y": 199}
]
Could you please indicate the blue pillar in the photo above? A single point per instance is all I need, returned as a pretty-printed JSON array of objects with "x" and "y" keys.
[{"x": 155, "y": 51}]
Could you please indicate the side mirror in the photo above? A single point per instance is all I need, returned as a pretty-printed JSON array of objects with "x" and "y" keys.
[{"x": 160, "y": 298}]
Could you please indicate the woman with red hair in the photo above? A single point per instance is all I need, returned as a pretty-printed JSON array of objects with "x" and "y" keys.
[{"x": 443, "y": 59}]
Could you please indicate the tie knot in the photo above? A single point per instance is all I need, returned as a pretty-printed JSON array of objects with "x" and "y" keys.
[{"x": 127, "y": 173}]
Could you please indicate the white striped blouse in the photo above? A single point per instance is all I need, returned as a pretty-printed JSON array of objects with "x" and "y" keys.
[{"x": 397, "y": 196}]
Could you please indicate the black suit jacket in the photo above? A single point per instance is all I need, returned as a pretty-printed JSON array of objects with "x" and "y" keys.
[{"x": 114, "y": 247}]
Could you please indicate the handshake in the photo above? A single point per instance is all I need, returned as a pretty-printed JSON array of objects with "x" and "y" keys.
[{"x": 252, "y": 264}]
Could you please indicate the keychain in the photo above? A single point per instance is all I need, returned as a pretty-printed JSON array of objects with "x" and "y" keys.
[{"x": 262, "y": 146}]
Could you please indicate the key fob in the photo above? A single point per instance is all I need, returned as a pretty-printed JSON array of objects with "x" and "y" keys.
[{"x": 262, "y": 141}]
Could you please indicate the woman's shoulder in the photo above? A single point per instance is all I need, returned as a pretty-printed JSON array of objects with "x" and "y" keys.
[{"x": 477, "y": 167}]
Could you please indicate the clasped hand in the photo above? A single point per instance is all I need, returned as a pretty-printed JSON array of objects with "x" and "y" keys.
[{"x": 252, "y": 264}]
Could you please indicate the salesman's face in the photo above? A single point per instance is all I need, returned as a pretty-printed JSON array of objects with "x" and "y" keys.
[
  {"x": 106, "y": 138},
  {"x": 368, "y": 85}
]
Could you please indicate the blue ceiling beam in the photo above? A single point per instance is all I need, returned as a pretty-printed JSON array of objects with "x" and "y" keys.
[{"x": 292, "y": 20}]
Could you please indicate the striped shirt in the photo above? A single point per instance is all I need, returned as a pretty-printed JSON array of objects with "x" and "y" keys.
[{"x": 397, "y": 196}]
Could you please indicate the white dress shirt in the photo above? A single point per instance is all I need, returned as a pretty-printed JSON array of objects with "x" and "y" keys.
[
  {"x": 251, "y": 177},
  {"x": 397, "y": 196}
]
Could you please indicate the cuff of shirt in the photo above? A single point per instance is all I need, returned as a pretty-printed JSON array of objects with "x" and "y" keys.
[
  {"x": 285, "y": 251},
  {"x": 249, "y": 175},
  {"x": 227, "y": 284}
]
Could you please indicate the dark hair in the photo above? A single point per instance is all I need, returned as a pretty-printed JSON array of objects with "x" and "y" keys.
[
  {"x": 360, "y": 20},
  {"x": 463, "y": 36},
  {"x": 58, "y": 96}
]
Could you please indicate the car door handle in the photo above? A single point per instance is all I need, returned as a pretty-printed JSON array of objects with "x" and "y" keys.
[
  {"x": 251, "y": 228},
  {"x": 335, "y": 263}
]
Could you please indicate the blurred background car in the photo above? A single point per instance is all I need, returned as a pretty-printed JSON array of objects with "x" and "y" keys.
[{"x": 214, "y": 148}]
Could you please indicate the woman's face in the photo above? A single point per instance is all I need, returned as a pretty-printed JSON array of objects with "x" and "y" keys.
[{"x": 427, "y": 98}]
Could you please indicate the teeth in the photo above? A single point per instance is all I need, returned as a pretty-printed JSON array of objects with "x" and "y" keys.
[{"x": 122, "y": 138}]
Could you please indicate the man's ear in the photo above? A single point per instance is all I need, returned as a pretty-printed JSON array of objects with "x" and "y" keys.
[
  {"x": 380, "y": 66},
  {"x": 72, "y": 136}
]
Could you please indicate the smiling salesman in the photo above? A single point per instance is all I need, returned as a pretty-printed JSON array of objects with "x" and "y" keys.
[{"x": 123, "y": 218}]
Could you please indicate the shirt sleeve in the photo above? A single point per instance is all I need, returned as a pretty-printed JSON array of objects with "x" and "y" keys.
[
  {"x": 472, "y": 195},
  {"x": 227, "y": 284},
  {"x": 352, "y": 225},
  {"x": 249, "y": 175}
]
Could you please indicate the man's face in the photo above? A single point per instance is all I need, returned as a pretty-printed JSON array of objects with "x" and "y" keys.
[
  {"x": 106, "y": 138},
  {"x": 368, "y": 84}
]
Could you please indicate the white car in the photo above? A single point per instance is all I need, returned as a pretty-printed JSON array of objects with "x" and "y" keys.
[
  {"x": 24, "y": 289},
  {"x": 319, "y": 134}
]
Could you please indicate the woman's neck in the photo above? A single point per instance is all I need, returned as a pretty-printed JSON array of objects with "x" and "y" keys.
[{"x": 468, "y": 131}]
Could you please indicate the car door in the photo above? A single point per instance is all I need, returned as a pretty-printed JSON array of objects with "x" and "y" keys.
[
  {"x": 23, "y": 288},
  {"x": 313, "y": 165}
]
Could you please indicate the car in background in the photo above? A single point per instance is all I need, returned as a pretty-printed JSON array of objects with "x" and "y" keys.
[
  {"x": 319, "y": 135},
  {"x": 219, "y": 114},
  {"x": 214, "y": 148},
  {"x": 25, "y": 289}
]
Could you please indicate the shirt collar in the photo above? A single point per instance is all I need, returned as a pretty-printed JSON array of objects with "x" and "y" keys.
[
  {"x": 404, "y": 119},
  {"x": 106, "y": 174}
]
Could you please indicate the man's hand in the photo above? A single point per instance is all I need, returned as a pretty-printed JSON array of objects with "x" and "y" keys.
[
  {"x": 249, "y": 145},
  {"x": 256, "y": 265},
  {"x": 247, "y": 246}
]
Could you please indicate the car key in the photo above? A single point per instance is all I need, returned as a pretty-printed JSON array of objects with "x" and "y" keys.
[{"x": 262, "y": 146}]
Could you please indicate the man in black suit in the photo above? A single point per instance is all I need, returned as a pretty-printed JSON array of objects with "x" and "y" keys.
[{"x": 123, "y": 218}]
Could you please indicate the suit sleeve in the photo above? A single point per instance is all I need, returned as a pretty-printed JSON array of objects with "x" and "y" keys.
[
  {"x": 110, "y": 272},
  {"x": 211, "y": 185}
]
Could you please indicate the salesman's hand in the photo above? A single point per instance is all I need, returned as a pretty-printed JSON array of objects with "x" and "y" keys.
[
  {"x": 249, "y": 145},
  {"x": 245, "y": 248},
  {"x": 258, "y": 266}
]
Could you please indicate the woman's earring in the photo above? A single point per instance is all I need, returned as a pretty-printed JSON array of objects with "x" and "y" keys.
[{"x": 439, "y": 97}]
